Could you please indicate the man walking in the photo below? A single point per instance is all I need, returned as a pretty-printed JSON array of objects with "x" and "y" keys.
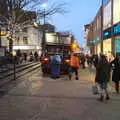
[{"x": 74, "y": 66}]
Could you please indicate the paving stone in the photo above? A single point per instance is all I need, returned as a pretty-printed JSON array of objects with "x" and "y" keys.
[{"x": 43, "y": 98}]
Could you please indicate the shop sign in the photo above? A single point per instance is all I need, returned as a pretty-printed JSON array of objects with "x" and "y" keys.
[
  {"x": 116, "y": 29},
  {"x": 92, "y": 41},
  {"x": 98, "y": 38},
  {"x": 107, "y": 33}
]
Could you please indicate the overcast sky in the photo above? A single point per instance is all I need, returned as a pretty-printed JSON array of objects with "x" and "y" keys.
[{"x": 80, "y": 12}]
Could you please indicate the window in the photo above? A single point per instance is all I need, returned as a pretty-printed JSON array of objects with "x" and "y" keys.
[
  {"x": 117, "y": 44},
  {"x": 107, "y": 46},
  {"x": 116, "y": 11},
  {"x": 25, "y": 41},
  {"x": 107, "y": 16},
  {"x": 24, "y": 30},
  {"x": 18, "y": 39}
]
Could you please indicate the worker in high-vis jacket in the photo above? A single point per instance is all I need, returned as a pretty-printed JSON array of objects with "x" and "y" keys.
[{"x": 74, "y": 66}]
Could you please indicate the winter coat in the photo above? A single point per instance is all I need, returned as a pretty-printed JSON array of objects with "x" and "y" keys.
[
  {"x": 74, "y": 61},
  {"x": 102, "y": 71},
  {"x": 116, "y": 70}
]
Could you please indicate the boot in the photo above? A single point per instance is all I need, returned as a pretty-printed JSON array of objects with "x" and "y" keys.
[
  {"x": 107, "y": 97},
  {"x": 117, "y": 89},
  {"x": 77, "y": 78}
]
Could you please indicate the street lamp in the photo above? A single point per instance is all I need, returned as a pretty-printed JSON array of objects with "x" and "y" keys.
[
  {"x": 44, "y": 39},
  {"x": 44, "y": 7},
  {"x": 74, "y": 46}
]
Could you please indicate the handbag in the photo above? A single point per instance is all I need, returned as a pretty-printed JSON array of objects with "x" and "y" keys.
[{"x": 95, "y": 89}]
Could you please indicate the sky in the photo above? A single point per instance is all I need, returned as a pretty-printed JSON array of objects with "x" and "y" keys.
[{"x": 80, "y": 12}]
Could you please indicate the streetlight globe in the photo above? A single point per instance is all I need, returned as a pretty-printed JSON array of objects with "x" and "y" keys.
[
  {"x": 44, "y": 5},
  {"x": 14, "y": 53},
  {"x": 74, "y": 46},
  {"x": 35, "y": 24}
]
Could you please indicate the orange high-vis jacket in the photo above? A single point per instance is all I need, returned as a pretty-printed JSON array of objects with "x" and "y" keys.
[{"x": 74, "y": 61}]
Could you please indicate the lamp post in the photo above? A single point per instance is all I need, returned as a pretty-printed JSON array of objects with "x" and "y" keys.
[
  {"x": 44, "y": 38},
  {"x": 14, "y": 63},
  {"x": 44, "y": 7},
  {"x": 0, "y": 33},
  {"x": 0, "y": 36}
]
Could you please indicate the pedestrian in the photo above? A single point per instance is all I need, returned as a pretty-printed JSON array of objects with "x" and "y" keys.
[
  {"x": 55, "y": 66},
  {"x": 31, "y": 57},
  {"x": 103, "y": 76},
  {"x": 83, "y": 61},
  {"x": 25, "y": 56},
  {"x": 18, "y": 55},
  {"x": 36, "y": 56},
  {"x": 95, "y": 60},
  {"x": 116, "y": 72},
  {"x": 74, "y": 66}
]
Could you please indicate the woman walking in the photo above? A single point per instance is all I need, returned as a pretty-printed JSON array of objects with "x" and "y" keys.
[
  {"x": 116, "y": 72},
  {"x": 103, "y": 76}
]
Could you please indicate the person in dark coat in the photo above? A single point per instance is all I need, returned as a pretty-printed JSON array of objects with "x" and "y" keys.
[
  {"x": 95, "y": 60},
  {"x": 25, "y": 57},
  {"x": 36, "y": 56},
  {"x": 116, "y": 72},
  {"x": 103, "y": 76},
  {"x": 83, "y": 61}
]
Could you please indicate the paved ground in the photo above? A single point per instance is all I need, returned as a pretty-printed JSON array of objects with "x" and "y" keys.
[{"x": 42, "y": 98}]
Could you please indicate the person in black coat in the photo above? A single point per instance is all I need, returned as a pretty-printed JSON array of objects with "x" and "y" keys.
[
  {"x": 116, "y": 72},
  {"x": 103, "y": 76}
]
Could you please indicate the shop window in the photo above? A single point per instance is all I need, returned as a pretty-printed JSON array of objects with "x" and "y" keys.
[
  {"x": 117, "y": 44},
  {"x": 107, "y": 47}
]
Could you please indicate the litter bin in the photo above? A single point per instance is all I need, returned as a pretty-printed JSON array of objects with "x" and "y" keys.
[{"x": 55, "y": 66}]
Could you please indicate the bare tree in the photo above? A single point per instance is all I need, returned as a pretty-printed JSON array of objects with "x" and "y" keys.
[{"x": 17, "y": 10}]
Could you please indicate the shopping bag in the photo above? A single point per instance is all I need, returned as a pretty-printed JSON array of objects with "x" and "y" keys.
[{"x": 95, "y": 89}]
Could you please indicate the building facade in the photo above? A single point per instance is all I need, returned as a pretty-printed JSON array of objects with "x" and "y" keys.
[
  {"x": 89, "y": 42},
  {"x": 97, "y": 32},
  {"x": 106, "y": 29},
  {"x": 28, "y": 39},
  {"x": 93, "y": 34}
]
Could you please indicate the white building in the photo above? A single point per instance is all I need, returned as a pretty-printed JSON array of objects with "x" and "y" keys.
[{"x": 28, "y": 39}]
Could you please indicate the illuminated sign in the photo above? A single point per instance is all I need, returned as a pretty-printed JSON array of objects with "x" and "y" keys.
[
  {"x": 98, "y": 38},
  {"x": 116, "y": 29},
  {"x": 107, "y": 33},
  {"x": 92, "y": 41}
]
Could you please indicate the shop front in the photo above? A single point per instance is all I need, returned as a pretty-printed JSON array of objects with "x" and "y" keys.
[
  {"x": 107, "y": 47},
  {"x": 98, "y": 48},
  {"x": 117, "y": 44}
]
